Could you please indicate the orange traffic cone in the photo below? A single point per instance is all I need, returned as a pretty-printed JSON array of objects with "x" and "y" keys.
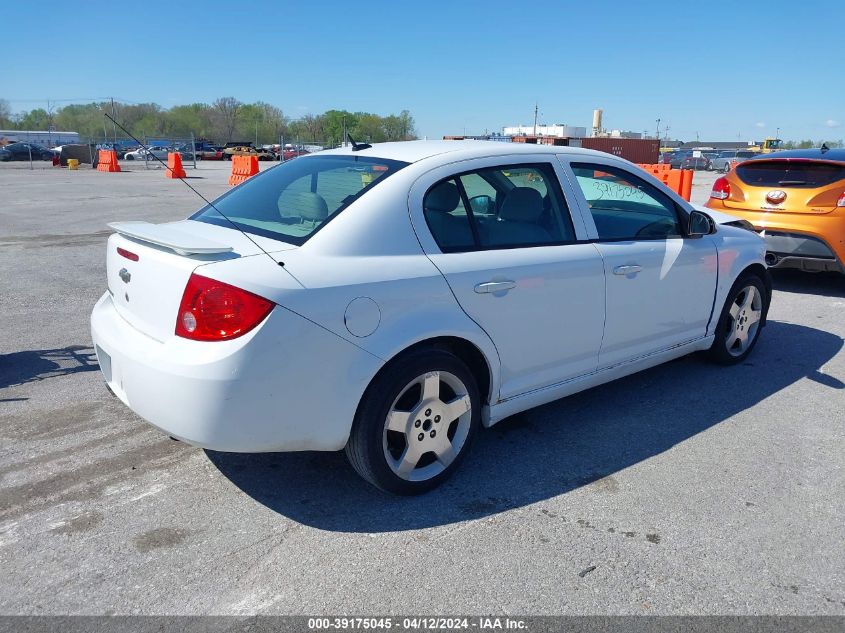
[{"x": 174, "y": 166}]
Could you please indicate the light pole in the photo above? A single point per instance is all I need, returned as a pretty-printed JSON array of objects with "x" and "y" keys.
[{"x": 657, "y": 130}]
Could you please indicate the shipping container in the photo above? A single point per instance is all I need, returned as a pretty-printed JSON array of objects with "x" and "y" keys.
[{"x": 636, "y": 150}]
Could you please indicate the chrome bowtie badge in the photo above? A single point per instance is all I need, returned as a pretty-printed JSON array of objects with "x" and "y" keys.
[
  {"x": 124, "y": 275},
  {"x": 776, "y": 197}
]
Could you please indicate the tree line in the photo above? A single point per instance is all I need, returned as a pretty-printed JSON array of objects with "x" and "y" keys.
[{"x": 224, "y": 120}]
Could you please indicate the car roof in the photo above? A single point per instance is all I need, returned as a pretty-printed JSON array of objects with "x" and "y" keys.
[
  {"x": 817, "y": 154},
  {"x": 415, "y": 151}
]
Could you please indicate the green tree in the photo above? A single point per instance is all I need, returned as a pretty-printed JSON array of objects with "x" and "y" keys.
[
  {"x": 5, "y": 114},
  {"x": 189, "y": 119},
  {"x": 333, "y": 125},
  {"x": 37, "y": 119},
  {"x": 369, "y": 128},
  {"x": 225, "y": 112}
]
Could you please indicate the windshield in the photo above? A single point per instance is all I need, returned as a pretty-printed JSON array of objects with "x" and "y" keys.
[{"x": 292, "y": 201}]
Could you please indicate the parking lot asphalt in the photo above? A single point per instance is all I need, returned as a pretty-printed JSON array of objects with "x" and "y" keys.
[{"x": 685, "y": 489}]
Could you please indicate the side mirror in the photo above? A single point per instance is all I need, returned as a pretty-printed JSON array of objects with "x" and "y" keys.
[
  {"x": 700, "y": 224},
  {"x": 484, "y": 205}
]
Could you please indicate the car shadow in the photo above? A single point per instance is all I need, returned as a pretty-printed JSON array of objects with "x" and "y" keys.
[
  {"x": 799, "y": 282},
  {"x": 19, "y": 368},
  {"x": 545, "y": 452}
]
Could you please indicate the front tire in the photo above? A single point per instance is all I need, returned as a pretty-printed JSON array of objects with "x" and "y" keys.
[
  {"x": 415, "y": 423},
  {"x": 741, "y": 320}
]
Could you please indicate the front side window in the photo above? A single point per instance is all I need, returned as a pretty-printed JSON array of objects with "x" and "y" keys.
[
  {"x": 623, "y": 206},
  {"x": 498, "y": 207},
  {"x": 291, "y": 201}
]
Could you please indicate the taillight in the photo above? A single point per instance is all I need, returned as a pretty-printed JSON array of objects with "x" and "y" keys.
[
  {"x": 721, "y": 189},
  {"x": 127, "y": 254},
  {"x": 214, "y": 311},
  {"x": 841, "y": 201}
]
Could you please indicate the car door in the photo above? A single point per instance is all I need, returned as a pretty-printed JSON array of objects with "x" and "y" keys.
[
  {"x": 660, "y": 283},
  {"x": 502, "y": 235}
]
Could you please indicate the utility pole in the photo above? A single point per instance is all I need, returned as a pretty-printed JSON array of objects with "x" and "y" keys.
[
  {"x": 343, "y": 140},
  {"x": 114, "y": 118},
  {"x": 535, "y": 118}
]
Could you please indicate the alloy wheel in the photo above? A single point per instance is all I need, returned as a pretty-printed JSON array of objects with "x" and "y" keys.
[
  {"x": 427, "y": 426},
  {"x": 744, "y": 320}
]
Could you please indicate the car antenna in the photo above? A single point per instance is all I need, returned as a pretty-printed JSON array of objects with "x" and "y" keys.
[
  {"x": 188, "y": 185},
  {"x": 357, "y": 147}
]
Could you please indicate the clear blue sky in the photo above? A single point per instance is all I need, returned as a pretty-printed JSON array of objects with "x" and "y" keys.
[{"x": 716, "y": 68}]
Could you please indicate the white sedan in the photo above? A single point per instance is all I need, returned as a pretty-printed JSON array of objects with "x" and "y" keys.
[
  {"x": 393, "y": 300},
  {"x": 147, "y": 154}
]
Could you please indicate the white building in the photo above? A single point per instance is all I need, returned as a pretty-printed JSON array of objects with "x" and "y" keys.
[
  {"x": 559, "y": 130},
  {"x": 48, "y": 139}
]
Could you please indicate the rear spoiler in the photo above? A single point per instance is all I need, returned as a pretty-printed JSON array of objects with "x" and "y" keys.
[{"x": 170, "y": 237}]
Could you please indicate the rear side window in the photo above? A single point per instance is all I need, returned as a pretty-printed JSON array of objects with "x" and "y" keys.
[
  {"x": 294, "y": 200},
  {"x": 788, "y": 173},
  {"x": 498, "y": 207},
  {"x": 447, "y": 217}
]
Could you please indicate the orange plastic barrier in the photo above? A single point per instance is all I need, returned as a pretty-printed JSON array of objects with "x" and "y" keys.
[
  {"x": 656, "y": 168},
  {"x": 174, "y": 166},
  {"x": 686, "y": 184},
  {"x": 243, "y": 167},
  {"x": 678, "y": 180},
  {"x": 107, "y": 161}
]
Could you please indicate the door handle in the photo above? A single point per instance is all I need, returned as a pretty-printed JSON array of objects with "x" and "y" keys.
[
  {"x": 627, "y": 270},
  {"x": 494, "y": 286}
]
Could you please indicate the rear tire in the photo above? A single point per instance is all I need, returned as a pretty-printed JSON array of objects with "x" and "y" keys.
[
  {"x": 415, "y": 423},
  {"x": 741, "y": 320}
]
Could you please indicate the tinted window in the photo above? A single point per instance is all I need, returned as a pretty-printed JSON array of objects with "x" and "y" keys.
[
  {"x": 625, "y": 207},
  {"x": 447, "y": 217},
  {"x": 780, "y": 173},
  {"x": 292, "y": 201},
  {"x": 500, "y": 207}
]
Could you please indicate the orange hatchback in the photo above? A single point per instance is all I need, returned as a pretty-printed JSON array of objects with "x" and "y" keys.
[{"x": 796, "y": 202}]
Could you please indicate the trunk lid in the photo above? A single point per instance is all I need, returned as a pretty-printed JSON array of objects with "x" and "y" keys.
[
  {"x": 148, "y": 266},
  {"x": 788, "y": 185}
]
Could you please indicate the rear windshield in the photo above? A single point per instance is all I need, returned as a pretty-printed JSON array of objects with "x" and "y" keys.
[
  {"x": 782, "y": 173},
  {"x": 294, "y": 200}
]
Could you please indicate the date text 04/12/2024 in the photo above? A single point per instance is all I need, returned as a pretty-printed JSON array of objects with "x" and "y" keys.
[{"x": 484, "y": 623}]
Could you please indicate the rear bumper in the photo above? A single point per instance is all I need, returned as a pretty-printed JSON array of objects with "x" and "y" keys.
[
  {"x": 807, "y": 264},
  {"x": 801, "y": 251},
  {"x": 288, "y": 385},
  {"x": 807, "y": 241}
]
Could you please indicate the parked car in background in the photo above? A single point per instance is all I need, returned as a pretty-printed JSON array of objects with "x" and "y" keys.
[
  {"x": 204, "y": 151},
  {"x": 428, "y": 289},
  {"x": 293, "y": 152},
  {"x": 795, "y": 199},
  {"x": 151, "y": 154},
  {"x": 23, "y": 151},
  {"x": 236, "y": 148},
  {"x": 248, "y": 150},
  {"x": 725, "y": 158},
  {"x": 677, "y": 159},
  {"x": 695, "y": 162}
]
